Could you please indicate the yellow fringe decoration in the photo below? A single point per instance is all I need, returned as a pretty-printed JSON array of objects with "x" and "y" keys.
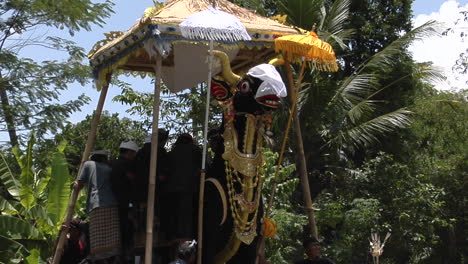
[
  {"x": 269, "y": 227},
  {"x": 319, "y": 53},
  {"x": 153, "y": 10},
  {"x": 102, "y": 80},
  {"x": 109, "y": 37},
  {"x": 281, "y": 19}
]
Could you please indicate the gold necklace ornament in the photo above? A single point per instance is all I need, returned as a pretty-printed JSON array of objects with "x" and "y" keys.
[{"x": 244, "y": 174}]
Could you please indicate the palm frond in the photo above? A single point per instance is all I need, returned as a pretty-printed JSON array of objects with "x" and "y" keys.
[
  {"x": 336, "y": 17},
  {"x": 339, "y": 38},
  {"x": 421, "y": 71},
  {"x": 354, "y": 88},
  {"x": 428, "y": 73},
  {"x": 369, "y": 132},
  {"x": 390, "y": 54},
  {"x": 302, "y": 13},
  {"x": 362, "y": 110}
]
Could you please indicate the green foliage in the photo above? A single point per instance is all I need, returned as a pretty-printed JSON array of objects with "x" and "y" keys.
[
  {"x": 377, "y": 24},
  {"x": 112, "y": 131},
  {"x": 288, "y": 247},
  {"x": 59, "y": 188},
  {"x": 73, "y": 15},
  {"x": 262, "y": 7},
  {"x": 436, "y": 147},
  {"x": 29, "y": 89},
  {"x": 35, "y": 257},
  {"x": 28, "y": 229},
  {"x": 384, "y": 195},
  {"x": 181, "y": 112},
  {"x": 27, "y": 174}
]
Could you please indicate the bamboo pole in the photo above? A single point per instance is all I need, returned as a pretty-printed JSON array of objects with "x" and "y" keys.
[
  {"x": 294, "y": 98},
  {"x": 203, "y": 165},
  {"x": 302, "y": 161},
  {"x": 153, "y": 164},
  {"x": 74, "y": 196},
  {"x": 261, "y": 246}
]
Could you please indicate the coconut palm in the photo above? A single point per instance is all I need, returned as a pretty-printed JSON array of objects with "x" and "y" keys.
[
  {"x": 354, "y": 115},
  {"x": 343, "y": 116}
]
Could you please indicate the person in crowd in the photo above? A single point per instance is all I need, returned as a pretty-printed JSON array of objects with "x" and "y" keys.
[
  {"x": 122, "y": 178},
  {"x": 313, "y": 251},
  {"x": 102, "y": 207},
  {"x": 186, "y": 253},
  {"x": 140, "y": 190},
  {"x": 143, "y": 158},
  {"x": 74, "y": 249},
  {"x": 180, "y": 190}
]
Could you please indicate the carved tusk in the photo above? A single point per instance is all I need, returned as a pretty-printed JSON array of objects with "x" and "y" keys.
[
  {"x": 276, "y": 62},
  {"x": 230, "y": 77},
  {"x": 222, "y": 193}
]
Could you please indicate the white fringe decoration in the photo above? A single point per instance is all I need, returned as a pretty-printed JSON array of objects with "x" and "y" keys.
[{"x": 213, "y": 24}]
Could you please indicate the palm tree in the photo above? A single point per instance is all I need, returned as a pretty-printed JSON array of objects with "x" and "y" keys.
[{"x": 344, "y": 115}]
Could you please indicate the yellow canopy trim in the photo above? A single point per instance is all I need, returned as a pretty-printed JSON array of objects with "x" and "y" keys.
[
  {"x": 281, "y": 19},
  {"x": 152, "y": 12},
  {"x": 109, "y": 37}
]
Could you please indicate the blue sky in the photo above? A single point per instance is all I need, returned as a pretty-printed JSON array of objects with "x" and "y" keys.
[{"x": 126, "y": 13}]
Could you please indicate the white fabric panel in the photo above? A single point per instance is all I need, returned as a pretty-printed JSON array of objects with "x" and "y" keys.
[{"x": 191, "y": 65}]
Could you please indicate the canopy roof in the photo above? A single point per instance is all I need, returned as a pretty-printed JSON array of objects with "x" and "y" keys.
[{"x": 158, "y": 32}]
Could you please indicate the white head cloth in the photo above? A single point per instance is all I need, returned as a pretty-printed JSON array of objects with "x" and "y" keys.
[
  {"x": 148, "y": 139},
  {"x": 104, "y": 152},
  {"x": 129, "y": 145},
  {"x": 272, "y": 82}
]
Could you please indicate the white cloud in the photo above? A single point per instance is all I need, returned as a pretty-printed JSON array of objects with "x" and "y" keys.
[{"x": 443, "y": 51}]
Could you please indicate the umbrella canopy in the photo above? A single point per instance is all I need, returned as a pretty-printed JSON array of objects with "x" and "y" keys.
[
  {"x": 158, "y": 31},
  {"x": 318, "y": 52},
  {"x": 214, "y": 24}
]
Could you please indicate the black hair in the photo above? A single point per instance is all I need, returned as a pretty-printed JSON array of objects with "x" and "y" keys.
[
  {"x": 163, "y": 134},
  {"x": 98, "y": 158},
  {"x": 184, "y": 138},
  {"x": 310, "y": 240},
  {"x": 187, "y": 249},
  {"x": 122, "y": 151}
]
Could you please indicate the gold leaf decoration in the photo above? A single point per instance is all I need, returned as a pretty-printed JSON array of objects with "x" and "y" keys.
[
  {"x": 281, "y": 19},
  {"x": 109, "y": 37}
]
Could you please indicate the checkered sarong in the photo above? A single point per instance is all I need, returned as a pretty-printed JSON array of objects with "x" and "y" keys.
[{"x": 104, "y": 232}]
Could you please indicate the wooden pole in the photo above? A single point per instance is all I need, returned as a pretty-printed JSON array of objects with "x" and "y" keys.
[
  {"x": 302, "y": 161},
  {"x": 74, "y": 196},
  {"x": 203, "y": 171},
  {"x": 153, "y": 164}
]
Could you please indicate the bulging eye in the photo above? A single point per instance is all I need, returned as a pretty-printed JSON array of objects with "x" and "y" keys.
[{"x": 244, "y": 86}]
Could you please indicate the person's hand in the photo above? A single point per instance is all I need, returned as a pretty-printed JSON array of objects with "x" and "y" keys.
[
  {"x": 76, "y": 186},
  {"x": 63, "y": 227}
]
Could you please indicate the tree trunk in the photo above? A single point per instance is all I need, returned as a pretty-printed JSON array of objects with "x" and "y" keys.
[{"x": 7, "y": 113}]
